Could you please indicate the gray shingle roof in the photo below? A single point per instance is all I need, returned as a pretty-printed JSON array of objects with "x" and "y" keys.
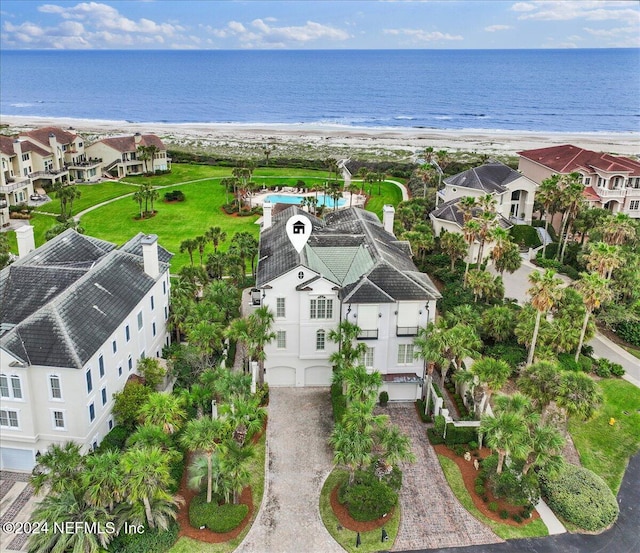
[
  {"x": 67, "y": 297},
  {"x": 351, "y": 248},
  {"x": 490, "y": 177},
  {"x": 448, "y": 211}
]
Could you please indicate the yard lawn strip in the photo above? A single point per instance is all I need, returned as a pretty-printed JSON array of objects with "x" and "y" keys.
[
  {"x": 390, "y": 194},
  {"x": 40, "y": 223},
  {"x": 257, "y": 468},
  {"x": 90, "y": 195},
  {"x": 347, "y": 538},
  {"x": 603, "y": 448},
  {"x": 633, "y": 351},
  {"x": 454, "y": 478}
]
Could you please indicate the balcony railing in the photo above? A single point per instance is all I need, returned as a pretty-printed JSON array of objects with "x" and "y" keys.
[
  {"x": 407, "y": 330},
  {"x": 608, "y": 193},
  {"x": 48, "y": 174},
  {"x": 633, "y": 192},
  {"x": 11, "y": 186},
  {"x": 368, "y": 334},
  {"x": 85, "y": 164}
]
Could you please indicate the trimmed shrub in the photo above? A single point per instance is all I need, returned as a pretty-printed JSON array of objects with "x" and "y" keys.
[
  {"x": 338, "y": 402},
  {"x": 629, "y": 331},
  {"x": 617, "y": 370},
  {"x": 586, "y": 363},
  {"x": 512, "y": 354},
  {"x": 473, "y": 445},
  {"x": 176, "y": 469},
  {"x": 434, "y": 437},
  {"x": 149, "y": 541},
  {"x": 493, "y": 507},
  {"x": 517, "y": 518},
  {"x": 420, "y": 405},
  {"x": 479, "y": 490},
  {"x": 174, "y": 196},
  {"x": 525, "y": 235},
  {"x": 383, "y": 398},
  {"x": 568, "y": 363},
  {"x": 217, "y": 518},
  {"x": 504, "y": 514},
  {"x": 461, "y": 435},
  {"x": 602, "y": 368},
  {"x": 581, "y": 497},
  {"x": 115, "y": 439},
  {"x": 370, "y": 500}
]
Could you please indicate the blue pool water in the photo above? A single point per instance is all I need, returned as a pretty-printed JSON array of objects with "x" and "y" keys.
[{"x": 323, "y": 200}]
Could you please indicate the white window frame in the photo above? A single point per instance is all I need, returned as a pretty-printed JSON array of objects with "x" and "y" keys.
[
  {"x": 102, "y": 371},
  {"x": 89, "y": 405},
  {"x": 62, "y": 428},
  {"x": 403, "y": 357},
  {"x": 634, "y": 205},
  {"x": 281, "y": 339},
  {"x": 10, "y": 394},
  {"x": 88, "y": 381},
  {"x": 321, "y": 339},
  {"x": 281, "y": 308},
  {"x": 368, "y": 357},
  {"x": 114, "y": 346},
  {"x": 52, "y": 397},
  {"x": 6, "y": 412},
  {"x": 104, "y": 397},
  {"x": 140, "y": 320},
  {"x": 321, "y": 308}
]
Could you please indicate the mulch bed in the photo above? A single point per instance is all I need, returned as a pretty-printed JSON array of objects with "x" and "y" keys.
[
  {"x": 345, "y": 519},
  {"x": 148, "y": 215},
  {"x": 206, "y": 535},
  {"x": 469, "y": 474}
]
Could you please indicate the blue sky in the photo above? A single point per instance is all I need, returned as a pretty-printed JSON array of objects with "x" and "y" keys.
[{"x": 310, "y": 24}]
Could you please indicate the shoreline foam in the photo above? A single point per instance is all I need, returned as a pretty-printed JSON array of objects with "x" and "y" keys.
[{"x": 341, "y": 137}]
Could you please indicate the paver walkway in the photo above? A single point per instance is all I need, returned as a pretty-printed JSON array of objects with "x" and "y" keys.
[
  {"x": 299, "y": 460},
  {"x": 431, "y": 514},
  {"x": 16, "y": 504}
]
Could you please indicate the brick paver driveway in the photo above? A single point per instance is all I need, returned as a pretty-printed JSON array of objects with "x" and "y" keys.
[
  {"x": 431, "y": 515},
  {"x": 16, "y": 504},
  {"x": 299, "y": 462}
]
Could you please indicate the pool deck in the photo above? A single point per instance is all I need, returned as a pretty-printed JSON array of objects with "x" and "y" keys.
[{"x": 259, "y": 197}]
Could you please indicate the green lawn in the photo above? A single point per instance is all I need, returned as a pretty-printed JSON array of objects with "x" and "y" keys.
[
  {"x": 40, "y": 223},
  {"x": 606, "y": 449},
  {"x": 347, "y": 538},
  {"x": 633, "y": 351},
  {"x": 390, "y": 194},
  {"x": 173, "y": 223},
  {"x": 182, "y": 172},
  {"x": 188, "y": 545},
  {"x": 90, "y": 194},
  {"x": 452, "y": 473}
]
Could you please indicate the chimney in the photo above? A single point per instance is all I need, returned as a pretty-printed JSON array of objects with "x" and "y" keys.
[
  {"x": 137, "y": 138},
  {"x": 26, "y": 242},
  {"x": 53, "y": 144},
  {"x": 266, "y": 215},
  {"x": 150, "y": 255},
  {"x": 387, "y": 218}
]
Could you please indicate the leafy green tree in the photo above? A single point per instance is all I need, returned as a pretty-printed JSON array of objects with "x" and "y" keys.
[
  {"x": 60, "y": 468},
  {"x": 498, "y": 323},
  {"x": 545, "y": 292},
  {"x": 579, "y": 395},
  {"x": 102, "y": 480},
  {"x": 492, "y": 375},
  {"x": 453, "y": 244},
  {"x": 164, "y": 410},
  {"x": 127, "y": 403},
  {"x": 234, "y": 459},
  {"x": 506, "y": 433},
  {"x": 150, "y": 369},
  {"x": 541, "y": 382}
]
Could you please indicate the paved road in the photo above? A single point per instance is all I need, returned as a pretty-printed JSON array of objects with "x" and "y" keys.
[
  {"x": 624, "y": 537},
  {"x": 299, "y": 460},
  {"x": 431, "y": 514},
  {"x": 516, "y": 286}
]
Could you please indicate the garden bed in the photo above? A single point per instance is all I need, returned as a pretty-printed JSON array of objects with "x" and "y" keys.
[
  {"x": 347, "y": 521},
  {"x": 469, "y": 474}
]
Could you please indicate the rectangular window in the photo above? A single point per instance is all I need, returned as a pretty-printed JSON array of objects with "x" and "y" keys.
[
  {"x": 320, "y": 339},
  {"x": 366, "y": 358},
  {"x": 127, "y": 333},
  {"x": 103, "y": 393},
  {"x": 92, "y": 412},
  {"x": 281, "y": 338},
  {"x": 166, "y": 313},
  {"x": 114, "y": 346},
  {"x": 9, "y": 418},
  {"x": 25, "y": 157},
  {"x": 130, "y": 363},
  {"x": 4, "y": 386},
  {"x": 10, "y": 387},
  {"x": 153, "y": 305},
  {"x": 153, "y": 328},
  {"x": 634, "y": 205},
  {"x": 58, "y": 420},
  {"x": 405, "y": 354},
  {"x": 110, "y": 424},
  {"x": 120, "y": 370},
  {"x": 16, "y": 387},
  {"x": 280, "y": 308},
  {"x": 140, "y": 320},
  {"x": 321, "y": 308},
  {"x": 54, "y": 386},
  {"x": 101, "y": 366},
  {"x": 89, "y": 381},
  {"x": 587, "y": 181},
  {"x": 164, "y": 287}
]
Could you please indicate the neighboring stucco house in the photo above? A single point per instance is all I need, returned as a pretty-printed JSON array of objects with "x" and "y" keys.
[
  {"x": 351, "y": 268},
  {"x": 15, "y": 183},
  {"x": 611, "y": 182},
  {"x": 121, "y": 156},
  {"x": 514, "y": 194},
  {"x": 76, "y": 314}
]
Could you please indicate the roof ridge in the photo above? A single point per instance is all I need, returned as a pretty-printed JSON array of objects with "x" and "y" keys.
[{"x": 67, "y": 338}]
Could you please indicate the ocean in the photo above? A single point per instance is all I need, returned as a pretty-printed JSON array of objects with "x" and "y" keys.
[{"x": 531, "y": 90}]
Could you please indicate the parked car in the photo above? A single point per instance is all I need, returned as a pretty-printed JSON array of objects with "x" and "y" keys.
[{"x": 36, "y": 197}]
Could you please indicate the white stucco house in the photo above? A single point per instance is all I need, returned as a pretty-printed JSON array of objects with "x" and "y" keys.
[
  {"x": 76, "y": 314},
  {"x": 15, "y": 183},
  {"x": 351, "y": 268}
]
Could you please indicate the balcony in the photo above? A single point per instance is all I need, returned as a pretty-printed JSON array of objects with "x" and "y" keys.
[
  {"x": 633, "y": 192},
  {"x": 12, "y": 185},
  {"x": 407, "y": 330},
  {"x": 608, "y": 193},
  {"x": 86, "y": 164},
  {"x": 368, "y": 334},
  {"x": 53, "y": 175}
]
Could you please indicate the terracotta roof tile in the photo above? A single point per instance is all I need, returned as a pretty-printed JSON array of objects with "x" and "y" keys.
[
  {"x": 42, "y": 135},
  {"x": 128, "y": 143}
]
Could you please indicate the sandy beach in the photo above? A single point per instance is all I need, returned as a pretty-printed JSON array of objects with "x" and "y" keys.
[{"x": 327, "y": 140}]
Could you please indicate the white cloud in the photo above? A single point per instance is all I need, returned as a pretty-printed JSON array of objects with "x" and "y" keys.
[
  {"x": 591, "y": 10},
  {"x": 419, "y": 35},
  {"x": 494, "y": 28},
  {"x": 611, "y": 33},
  {"x": 522, "y": 7}
]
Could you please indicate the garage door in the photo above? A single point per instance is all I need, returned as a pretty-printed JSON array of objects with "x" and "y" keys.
[
  {"x": 16, "y": 459},
  {"x": 281, "y": 376},
  {"x": 401, "y": 392},
  {"x": 317, "y": 376}
]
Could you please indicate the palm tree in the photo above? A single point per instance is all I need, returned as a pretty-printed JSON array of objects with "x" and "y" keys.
[
  {"x": 541, "y": 382},
  {"x": 245, "y": 417},
  {"x": 579, "y": 395},
  {"x": 349, "y": 351},
  {"x": 394, "y": 446},
  {"x": 547, "y": 194},
  {"x": 164, "y": 410},
  {"x": 425, "y": 173},
  {"x": 138, "y": 196},
  {"x": 216, "y": 236},
  {"x": 462, "y": 341},
  {"x": 453, "y": 244},
  {"x": 480, "y": 282},
  {"x": 618, "y": 229},
  {"x": 351, "y": 448},
  {"x": 498, "y": 323},
  {"x": 594, "y": 290},
  {"x": 102, "y": 479},
  {"x": 201, "y": 242},
  {"x": 152, "y": 150},
  {"x": 149, "y": 435},
  {"x": 545, "y": 444},
  {"x": 487, "y": 221},
  {"x": 205, "y": 435},
  {"x": 363, "y": 173},
  {"x": 69, "y": 507},
  {"x": 143, "y": 155},
  {"x": 189, "y": 245},
  {"x": 246, "y": 247},
  {"x": 261, "y": 332},
  {"x": 573, "y": 202},
  {"x": 506, "y": 433},
  {"x": 603, "y": 258},
  {"x": 359, "y": 384},
  {"x": 60, "y": 468},
  {"x": 492, "y": 375},
  {"x": 233, "y": 462},
  {"x": 470, "y": 231},
  {"x": 545, "y": 292},
  {"x": 509, "y": 259},
  {"x": 146, "y": 478},
  {"x": 420, "y": 242},
  {"x": 467, "y": 206}
]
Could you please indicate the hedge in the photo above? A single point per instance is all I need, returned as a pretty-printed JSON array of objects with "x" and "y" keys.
[
  {"x": 629, "y": 331},
  {"x": 217, "y": 518},
  {"x": 581, "y": 497},
  {"x": 149, "y": 541},
  {"x": 525, "y": 235},
  {"x": 115, "y": 439},
  {"x": 455, "y": 435},
  {"x": 369, "y": 500},
  {"x": 338, "y": 402}
]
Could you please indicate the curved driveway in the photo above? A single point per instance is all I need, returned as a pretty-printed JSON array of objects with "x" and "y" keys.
[{"x": 299, "y": 460}]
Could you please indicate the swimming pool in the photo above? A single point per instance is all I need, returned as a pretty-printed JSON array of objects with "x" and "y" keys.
[{"x": 323, "y": 200}]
